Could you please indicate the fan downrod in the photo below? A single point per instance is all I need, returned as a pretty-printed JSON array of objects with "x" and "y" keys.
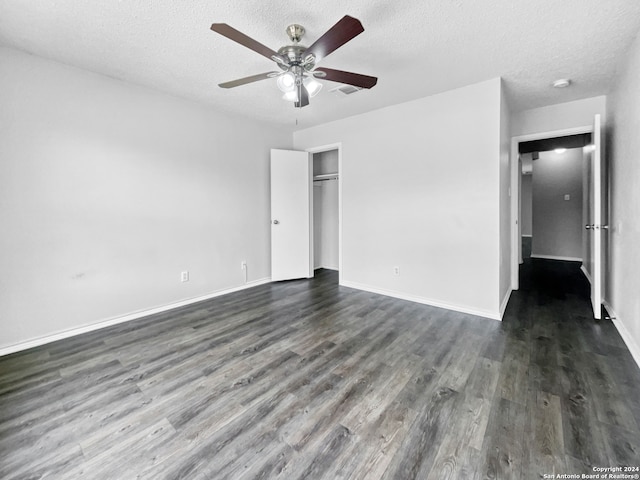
[{"x": 295, "y": 32}]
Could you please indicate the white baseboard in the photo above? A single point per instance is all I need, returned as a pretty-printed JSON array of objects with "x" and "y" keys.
[
  {"x": 36, "y": 342},
  {"x": 505, "y": 301},
  {"x": 586, "y": 274},
  {"x": 335, "y": 269},
  {"x": 556, "y": 257},
  {"x": 633, "y": 347},
  {"x": 425, "y": 301}
]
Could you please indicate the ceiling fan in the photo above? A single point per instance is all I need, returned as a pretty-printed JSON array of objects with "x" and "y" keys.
[{"x": 297, "y": 78}]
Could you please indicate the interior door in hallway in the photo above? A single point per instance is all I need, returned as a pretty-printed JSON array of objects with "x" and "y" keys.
[
  {"x": 291, "y": 197},
  {"x": 597, "y": 218}
]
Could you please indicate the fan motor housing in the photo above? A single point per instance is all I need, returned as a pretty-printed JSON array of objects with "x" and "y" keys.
[{"x": 295, "y": 56}]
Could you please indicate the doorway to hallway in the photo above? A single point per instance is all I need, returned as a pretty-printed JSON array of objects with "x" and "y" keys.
[{"x": 588, "y": 247}]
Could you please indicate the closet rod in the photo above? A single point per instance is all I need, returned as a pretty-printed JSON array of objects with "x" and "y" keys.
[
  {"x": 324, "y": 179},
  {"x": 326, "y": 176}
]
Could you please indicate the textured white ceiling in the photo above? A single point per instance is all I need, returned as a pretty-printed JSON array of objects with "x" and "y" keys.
[{"x": 415, "y": 47}]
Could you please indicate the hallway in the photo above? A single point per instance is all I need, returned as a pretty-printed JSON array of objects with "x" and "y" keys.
[{"x": 578, "y": 364}]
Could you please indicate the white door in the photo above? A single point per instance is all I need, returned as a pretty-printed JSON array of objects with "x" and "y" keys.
[
  {"x": 291, "y": 197},
  {"x": 598, "y": 230}
]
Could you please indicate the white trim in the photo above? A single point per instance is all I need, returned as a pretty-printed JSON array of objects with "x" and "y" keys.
[
  {"x": 515, "y": 191},
  {"x": 557, "y": 257},
  {"x": 527, "y": 236},
  {"x": 586, "y": 274},
  {"x": 633, "y": 347},
  {"x": 36, "y": 342},
  {"x": 333, "y": 268},
  {"x": 328, "y": 148},
  {"x": 425, "y": 301},
  {"x": 597, "y": 248},
  {"x": 505, "y": 301},
  {"x": 324, "y": 148}
]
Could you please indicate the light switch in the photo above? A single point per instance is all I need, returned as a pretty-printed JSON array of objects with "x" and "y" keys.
[{"x": 567, "y": 197}]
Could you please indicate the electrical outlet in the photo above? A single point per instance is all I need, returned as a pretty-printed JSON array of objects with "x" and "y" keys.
[
  {"x": 396, "y": 270},
  {"x": 184, "y": 276},
  {"x": 243, "y": 265}
]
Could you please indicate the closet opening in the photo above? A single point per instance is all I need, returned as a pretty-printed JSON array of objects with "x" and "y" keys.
[{"x": 326, "y": 211}]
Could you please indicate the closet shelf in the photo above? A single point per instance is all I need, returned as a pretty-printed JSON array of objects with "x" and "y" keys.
[{"x": 325, "y": 176}]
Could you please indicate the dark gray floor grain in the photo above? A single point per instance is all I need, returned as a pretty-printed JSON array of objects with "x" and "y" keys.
[{"x": 309, "y": 380}]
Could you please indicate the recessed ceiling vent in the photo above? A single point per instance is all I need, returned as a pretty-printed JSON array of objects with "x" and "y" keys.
[{"x": 346, "y": 90}]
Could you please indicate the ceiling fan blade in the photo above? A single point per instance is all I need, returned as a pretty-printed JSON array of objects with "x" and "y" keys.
[
  {"x": 303, "y": 96},
  {"x": 343, "y": 31},
  {"x": 239, "y": 37},
  {"x": 245, "y": 80},
  {"x": 356, "y": 79}
]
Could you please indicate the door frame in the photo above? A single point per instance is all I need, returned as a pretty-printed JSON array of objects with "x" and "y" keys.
[
  {"x": 320, "y": 149},
  {"x": 516, "y": 242}
]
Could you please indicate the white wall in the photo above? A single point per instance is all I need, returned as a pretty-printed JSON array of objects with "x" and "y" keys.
[
  {"x": 558, "y": 223},
  {"x": 561, "y": 116},
  {"x": 623, "y": 153},
  {"x": 108, "y": 191},
  {"x": 417, "y": 197},
  {"x": 526, "y": 207},
  {"x": 325, "y": 212}
]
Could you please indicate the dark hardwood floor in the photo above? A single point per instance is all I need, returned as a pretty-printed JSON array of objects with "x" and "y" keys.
[{"x": 306, "y": 379}]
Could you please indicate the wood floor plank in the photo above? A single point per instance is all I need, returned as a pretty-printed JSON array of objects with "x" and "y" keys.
[
  {"x": 610, "y": 407},
  {"x": 371, "y": 406},
  {"x": 414, "y": 459},
  {"x": 623, "y": 445},
  {"x": 134, "y": 449},
  {"x": 334, "y": 446},
  {"x": 462, "y": 360},
  {"x": 546, "y": 445},
  {"x": 459, "y": 449},
  {"x": 321, "y": 418},
  {"x": 51, "y": 465},
  {"x": 248, "y": 446},
  {"x": 380, "y": 442},
  {"x": 514, "y": 373},
  {"x": 581, "y": 428},
  {"x": 484, "y": 378},
  {"x": 503, "y": 455}
]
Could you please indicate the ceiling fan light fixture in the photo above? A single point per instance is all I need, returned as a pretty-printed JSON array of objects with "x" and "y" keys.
[
  {"x": 286, "y": 82},
  {"x": 291, "y": 96},
  {"x": 312, "y": 86}
]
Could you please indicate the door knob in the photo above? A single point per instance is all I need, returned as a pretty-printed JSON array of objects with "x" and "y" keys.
[
  {"x": 276, "y": 222},
  {"x": 588, "y": 227}
]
